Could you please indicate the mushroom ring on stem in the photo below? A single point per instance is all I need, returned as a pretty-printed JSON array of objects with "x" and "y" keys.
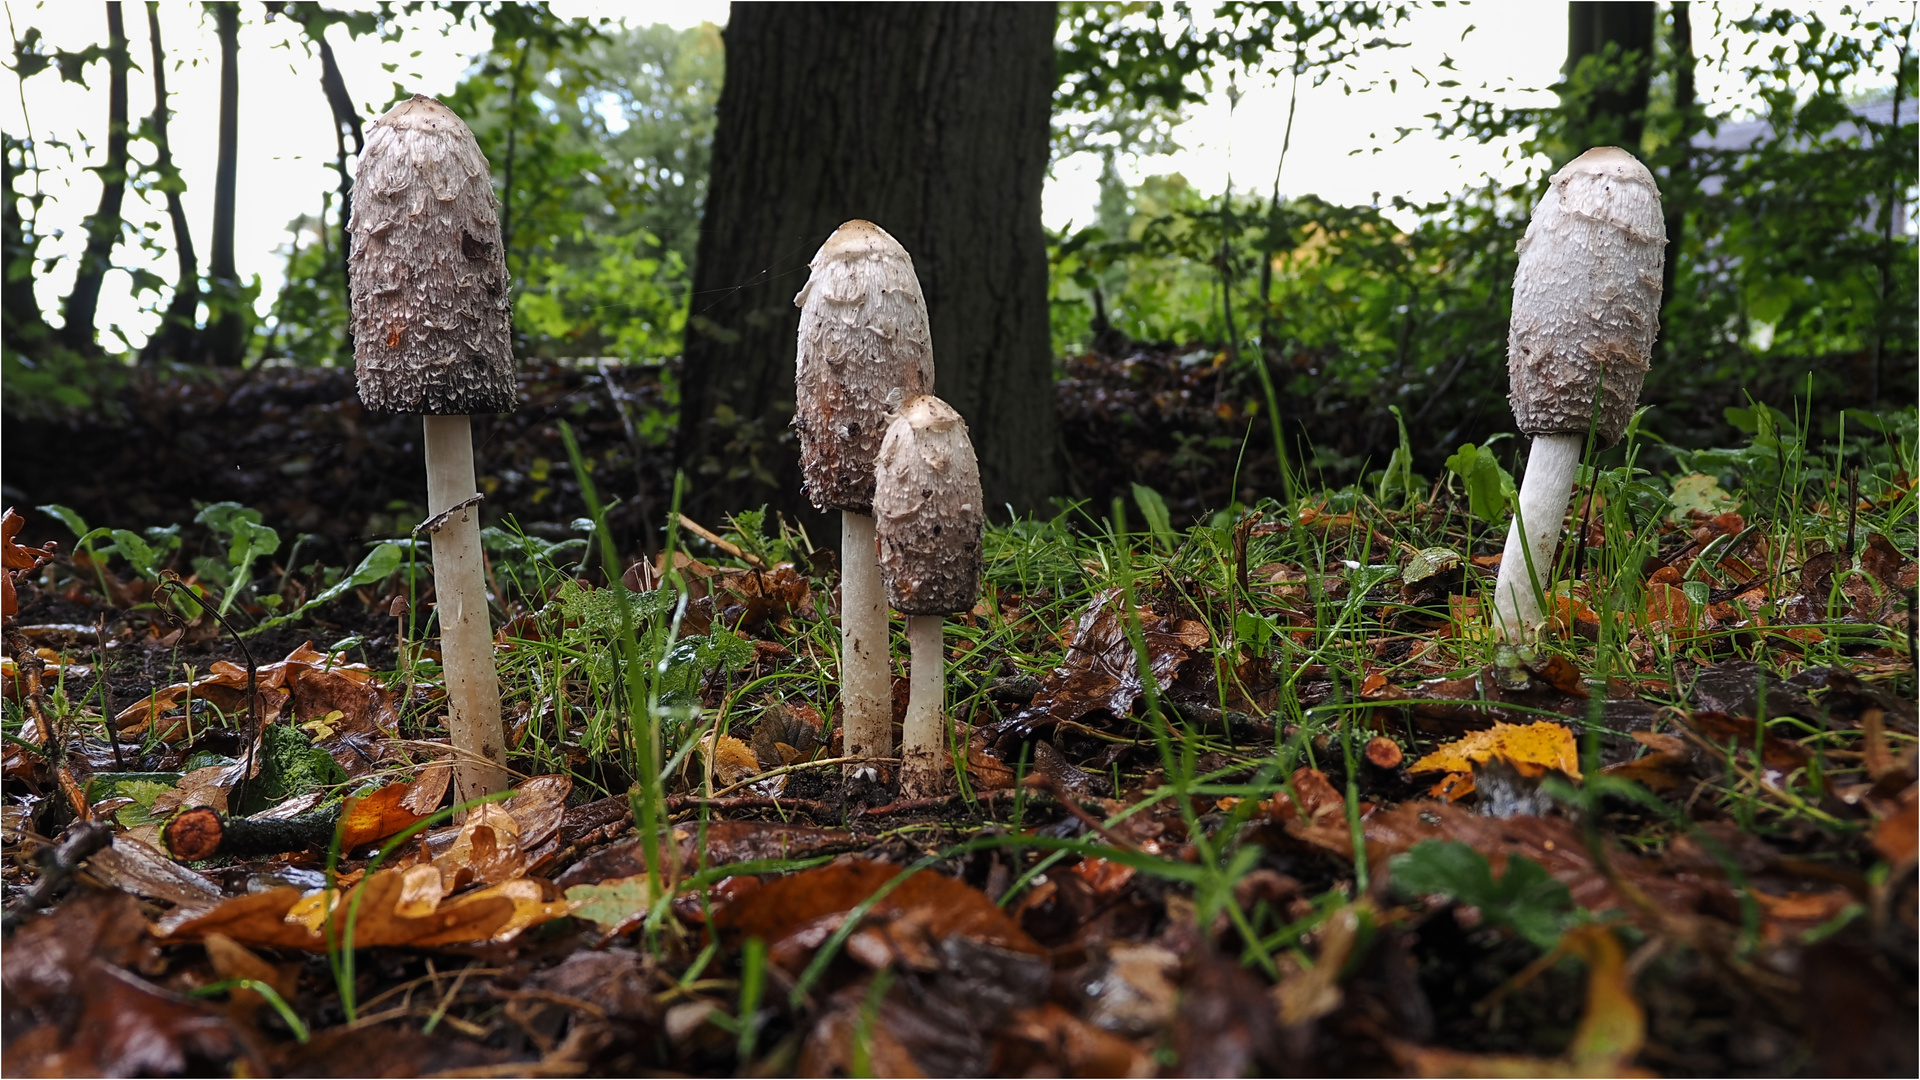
[
  {"x": 929, "y": 518},
  {"x": 864, "y": 349},
  {"x": 432, "y": 334},
  {"x": 1586, "y": 310}
]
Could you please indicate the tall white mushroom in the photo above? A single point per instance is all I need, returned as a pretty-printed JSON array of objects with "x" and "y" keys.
[
  {"x": 1586, "y": 310},
  {"x": 432, "y": 334},
  {"x": 864, "y": 349},
  {"x": 928, "y": 514}
]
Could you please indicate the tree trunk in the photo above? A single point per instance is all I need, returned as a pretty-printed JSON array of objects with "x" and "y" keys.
[
  {"x": 175, "y": 337},
  {"x": 1612, "y": 108},
  {"x": 227, "y": 324},
  {"x": 929, "y": 120},
  {"x": 1679, "y": 174},
  {"x": 105, "y": 225},
  {"x": 346, "y": 121}
]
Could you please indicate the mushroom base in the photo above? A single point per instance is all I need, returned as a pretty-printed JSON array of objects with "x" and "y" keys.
[
  {"x": 466, "y": 633},
  {"x": 866, "y": 678},
  {"x": 922, "y": 764},
  {"x": 1526, "y": 567}
]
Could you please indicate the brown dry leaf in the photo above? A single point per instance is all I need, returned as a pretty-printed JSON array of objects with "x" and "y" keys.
[
  {"x": 74, "y": 1008},
  {"x": 1304, "y": 995},
  {"x": 316, "y": 685},
  {"x": 538, "y": 806},
  {"x": 1884, "y": 562},
  {"x": 232, "y": 960},
  {"x": 1666, "y": 767},
  {"x": 732, "y": 760},
  {"x": 797, "y": 905},
  {"x": 717, "y": 843},
  {"x": 384, "y": 812},
  {"x": 1052, "y": 1039},
  {"x": 1897, "y": 838},
  {"x": 283, "y": 918},
  {"x": 1101, "y": 670},
  {"x": 1611, "y": 1033},
  {"x": 486, "y": 850},
  {"x": 1532, "y": 749}
]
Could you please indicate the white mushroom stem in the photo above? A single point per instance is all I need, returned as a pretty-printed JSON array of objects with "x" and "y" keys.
[
  {"x": 1545, "y": 491},
  {"x": 924, "y": 733},
  {"x": 866, "y": 681},
  {"x": 466, "y": 633}
]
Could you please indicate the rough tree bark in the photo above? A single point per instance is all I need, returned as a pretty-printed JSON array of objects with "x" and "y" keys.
[
  {"x": 104, "y": 225},
  {"x": 929, "y": 120},
  {"x": 178, "y": 328},
  {"x": 346, "y": 121},
  {"x": 1615, "y": 107},
  {"x": 227, "y": 325}
]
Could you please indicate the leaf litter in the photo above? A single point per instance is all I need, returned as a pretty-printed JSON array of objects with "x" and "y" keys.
[{"x": 1316, "y": 823}]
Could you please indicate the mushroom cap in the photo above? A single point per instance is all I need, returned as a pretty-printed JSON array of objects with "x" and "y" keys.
[
  {"x": 432, "y": 311},
  {"x": 865, "y": 348},
  {"x": 1586, "y": 297},
  {"x": 928, "y": 511}
]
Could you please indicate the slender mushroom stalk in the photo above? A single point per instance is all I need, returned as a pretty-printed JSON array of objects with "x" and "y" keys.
[
  {"x": 864, "y": 349},
  {"x": 432, "y": 334},
  {"x": 1586, "y": 310},
  {"x": 929, "y": 516}
]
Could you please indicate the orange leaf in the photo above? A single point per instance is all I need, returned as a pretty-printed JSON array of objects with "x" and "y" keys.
[{"x": 1532, "y": 749}]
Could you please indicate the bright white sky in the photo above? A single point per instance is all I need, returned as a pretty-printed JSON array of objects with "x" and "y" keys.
[{"x": 1344, "y": 144}]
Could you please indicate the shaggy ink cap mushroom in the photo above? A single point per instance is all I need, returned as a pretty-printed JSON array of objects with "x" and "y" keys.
[
  {"x": 864, "y": 349},
  {"x": 1586, "y": 298},
  {"x": 432, "y": 318},
  {"x": 928, "y": 510},
  {"x": 432, "y": 334},
  {"x": 1586, "y": 309},
  {"x": 928, "y": 519}
]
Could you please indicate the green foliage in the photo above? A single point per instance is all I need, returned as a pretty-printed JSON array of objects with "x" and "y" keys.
[
  {"x": 247, "y": 541},
  {"x": 1490, "y": 488},
  {"x": 1525, "y": 899}
]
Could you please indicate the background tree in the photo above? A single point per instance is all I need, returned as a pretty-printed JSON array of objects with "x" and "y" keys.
[
  {"x": 228, "y": 313},
  {"x": 104, "y": 225},
  {"x": 930, "y": 120},
  {"x": 178, "y": 331}
]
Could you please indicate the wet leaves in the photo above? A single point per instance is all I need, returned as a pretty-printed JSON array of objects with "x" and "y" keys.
[{"x": 1102, "y": 670}]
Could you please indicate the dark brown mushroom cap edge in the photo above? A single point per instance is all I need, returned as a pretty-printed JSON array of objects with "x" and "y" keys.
[
  {"x": 864, "y": 350},
  {"x": 1586, "y": 298},
  {"x": 432, "y": 318},
  {"x": 928, "y": 510}
]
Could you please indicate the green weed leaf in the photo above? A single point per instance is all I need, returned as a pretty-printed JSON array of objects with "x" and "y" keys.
[{"x": 1525, "y": 899}]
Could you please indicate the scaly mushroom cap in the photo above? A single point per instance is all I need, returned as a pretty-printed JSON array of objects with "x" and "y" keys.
[
  {"x": 864, "y": 350},
  {"x": 432, "y": 318},
  {"x": 1586, "y": 297},
  {"x": 927, "y": 509}
]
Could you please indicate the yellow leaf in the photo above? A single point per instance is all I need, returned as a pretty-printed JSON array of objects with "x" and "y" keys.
[{"x": 1532, "y": 749}]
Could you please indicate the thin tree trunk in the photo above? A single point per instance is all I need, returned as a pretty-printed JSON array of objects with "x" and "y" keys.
[
  {"x": 175, "y": 338},
  {"x": 346, "y": 121},
  {"x": 227, "y": 326},
  {"x": 105, "y": 225},
  {"x": 1614, "y": 112},
  {"x": 929, "y": 120},
  {"x": 1680, "y": 174}
]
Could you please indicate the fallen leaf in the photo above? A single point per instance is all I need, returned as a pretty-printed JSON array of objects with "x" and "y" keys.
[
  {"x": 611, "y": 904},
  {"x": 1532, "y": 749},
  {"x": 1307, "y": 994},
  {"x": 1897, "y": 838},
  {"x": 731, "y": 758},
  {"x": 284, "y": 918},
  {"x": 1102, "y": 671}
]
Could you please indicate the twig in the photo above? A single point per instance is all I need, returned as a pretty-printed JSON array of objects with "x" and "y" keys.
[
  {"x": 57, "y": 864},
  {"x": 439, "y": 521},
  {"x": 716, "y": 540}
]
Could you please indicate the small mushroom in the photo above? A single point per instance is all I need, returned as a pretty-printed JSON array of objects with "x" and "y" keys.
[
  {"x": 928, "y": 514},
  {"x": 432, "y": 326},
  {"x": 1586, "y": 310},
  {"x": 864, "y": 349}
]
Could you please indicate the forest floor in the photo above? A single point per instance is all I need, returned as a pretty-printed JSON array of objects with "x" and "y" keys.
[{"x": 1262, "y": 795}]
